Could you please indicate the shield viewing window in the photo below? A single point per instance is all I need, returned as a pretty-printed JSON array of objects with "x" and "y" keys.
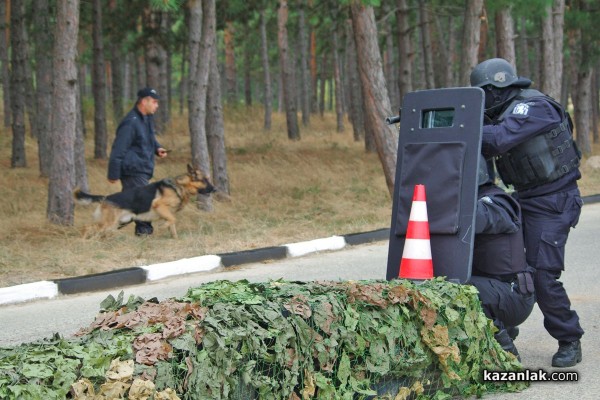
[{"x": 440, "y": 118}]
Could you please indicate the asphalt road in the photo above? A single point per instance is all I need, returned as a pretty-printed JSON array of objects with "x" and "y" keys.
[{"x": 30, "y": 321}]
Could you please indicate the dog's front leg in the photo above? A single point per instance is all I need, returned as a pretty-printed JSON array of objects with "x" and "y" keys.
[{"x": 165, "y": 213}]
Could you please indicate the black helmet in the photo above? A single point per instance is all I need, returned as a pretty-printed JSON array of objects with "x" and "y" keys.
[{"x": 497, "y": 72}]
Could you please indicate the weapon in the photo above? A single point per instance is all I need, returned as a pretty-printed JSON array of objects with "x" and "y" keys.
[{"x": 394, "y": 119}]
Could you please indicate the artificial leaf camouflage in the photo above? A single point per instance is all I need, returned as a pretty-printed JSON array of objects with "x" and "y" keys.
[{"x": 274, "y": 340}]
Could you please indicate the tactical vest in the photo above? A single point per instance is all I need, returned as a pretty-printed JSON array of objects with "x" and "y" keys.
[
  {"x": 545, "y": 157},
  {"x": 499, "y": 255}
]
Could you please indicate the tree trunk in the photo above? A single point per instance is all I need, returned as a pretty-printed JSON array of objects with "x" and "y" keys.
[
  {"x": 426, "y": 43},
  {"x": 81, "y": 179},
  {"x": 247, "y": 75},
  {"x": 289, "y": 94},
  {"x": 4, "y": 60},
  {"x": 156, "y": 64},
  {"x": 595, "y": 103},
  {"x": 117, "y": 67},
  {"x": 339, "y": 96},
  {"x": 215, "y": 128},
  {"x": 80, "y": 96},
  {"x": 549, "y": 83},
  {"x": 536, "y": 49},
  {"x": 377, "y": 103},
  {"x": 583, "y": 108},
  {"x": 152, "y": 56},
  {"x": 140, "y": 71},
  {"x": 483, "y": 35},
  {"x": 280, "y": 92},
  {"x": 582, "y": 49},
  {"x": 117, "y": 64},
  {"x": 505, "y": 35},
  {"x": 419, "y": 63},
  {"x": 314, "y": 104},
  {"x": 446, "y": 46},
  {"x": 195, "y": 36},
  {"x": 322, "y": 82},
  {"x": 18, "y": 83},
  {"x": 304, "y": 71},
  {"x": 99, "y": 85},
  {"x": 183, "y": 81},
  {"x": 405, "y": 54},
  {"x": 230, "y": 72},
  {"x": 331, "y": 91},
  {"x": 470, "y": 40},
  {"x": 264, "y": 50},
  {"x": 30, "y": 102},
  {"x": 199, "y": 87},
  {"x": 166, "y": 71},
  {"x": 389, "y": 68},
  {"x": 43, "y": 76},
  {"x": 356, "y": 116},
  {"x": 523, "y": 67},
  {"x": 558, "y": 12},
  {"x": 64, "y": 114}
]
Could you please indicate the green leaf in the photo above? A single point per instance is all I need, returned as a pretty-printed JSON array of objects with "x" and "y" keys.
[
  {"x": 185, "y": 342},
  {"x": 36, "y": 371},
  {"x": 451, "y": 314},
  {"x": 344, "y": 369}
]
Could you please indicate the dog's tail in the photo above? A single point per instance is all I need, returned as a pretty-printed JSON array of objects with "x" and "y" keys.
[{"x": 82, "y": 197}]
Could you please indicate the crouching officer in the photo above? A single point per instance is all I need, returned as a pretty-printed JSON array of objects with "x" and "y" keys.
[
  {"x": 499, "y": 270},
  {"x": 530, "y": 136}
]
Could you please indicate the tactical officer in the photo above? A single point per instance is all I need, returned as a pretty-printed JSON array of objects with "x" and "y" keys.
[
  {"x": 530, "y": 136},
  {"x": 500, "y": 271}
]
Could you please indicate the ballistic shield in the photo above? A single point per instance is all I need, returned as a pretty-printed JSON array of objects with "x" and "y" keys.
[{"x": 439, "y": 146}]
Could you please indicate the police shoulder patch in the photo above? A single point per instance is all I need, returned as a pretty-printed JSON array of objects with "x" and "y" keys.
[
  {"x": 487, "y": 199},
  {"x": 521, "y": 109}
]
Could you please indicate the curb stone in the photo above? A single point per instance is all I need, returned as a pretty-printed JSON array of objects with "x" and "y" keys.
[
  {"x": 102, "y": 281},
  {"x": 144, "y": 274},
  {"x": 251, "y": 256}
]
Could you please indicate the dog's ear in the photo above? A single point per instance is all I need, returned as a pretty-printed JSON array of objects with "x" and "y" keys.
[{"x": 190, "y": 169}]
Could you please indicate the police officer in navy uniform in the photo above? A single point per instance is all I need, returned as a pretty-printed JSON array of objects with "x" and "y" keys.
[
  {"x": 132, "y": 154},
  {"x": 530, "y": 136},
  {"x": 500, "y": 271}
]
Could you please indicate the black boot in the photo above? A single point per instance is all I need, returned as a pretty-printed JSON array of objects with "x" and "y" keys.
[
  {"x": 568, "y": 354},
  {"x": 506, "y": 343},
  {"x": 513, "y": 332}
]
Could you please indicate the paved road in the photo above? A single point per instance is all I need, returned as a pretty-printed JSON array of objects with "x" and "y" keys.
[{"x": 30, "y": 321}]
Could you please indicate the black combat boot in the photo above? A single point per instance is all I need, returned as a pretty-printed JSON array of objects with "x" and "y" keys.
[
  {"x": 568, "y": 354},
  {"x": 506, "y": 343},
  {"x": 513, "y": 332}
]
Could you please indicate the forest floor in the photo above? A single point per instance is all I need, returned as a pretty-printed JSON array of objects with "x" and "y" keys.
[{"x": 281, "y": 192}]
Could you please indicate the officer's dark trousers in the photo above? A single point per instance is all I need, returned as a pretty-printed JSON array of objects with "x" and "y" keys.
[
  {"x": 130, "y": 182},
  {"x": 547, "y": 221},
  {"x": 501, "y": 302}
]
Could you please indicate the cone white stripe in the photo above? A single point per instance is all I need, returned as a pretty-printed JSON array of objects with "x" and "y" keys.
[
  {"x": 418, "y": 212},
  {"x": 417, "y": 249}
]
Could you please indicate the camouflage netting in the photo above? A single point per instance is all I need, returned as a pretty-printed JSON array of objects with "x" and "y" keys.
[{"x": 275, "y": 340}]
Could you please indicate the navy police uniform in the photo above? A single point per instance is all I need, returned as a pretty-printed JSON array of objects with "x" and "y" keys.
[
  {"x": 535, "y": 152},
  {"x": 500, "y": 271},
  {"x": 132, "y": 156}
]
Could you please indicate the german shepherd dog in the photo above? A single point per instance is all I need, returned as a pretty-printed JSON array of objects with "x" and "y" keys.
[{"x": 157, "y": 200}]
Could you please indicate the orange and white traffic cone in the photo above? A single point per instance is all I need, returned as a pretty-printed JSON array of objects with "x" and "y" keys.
[{"x": 416, "y": 260}]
